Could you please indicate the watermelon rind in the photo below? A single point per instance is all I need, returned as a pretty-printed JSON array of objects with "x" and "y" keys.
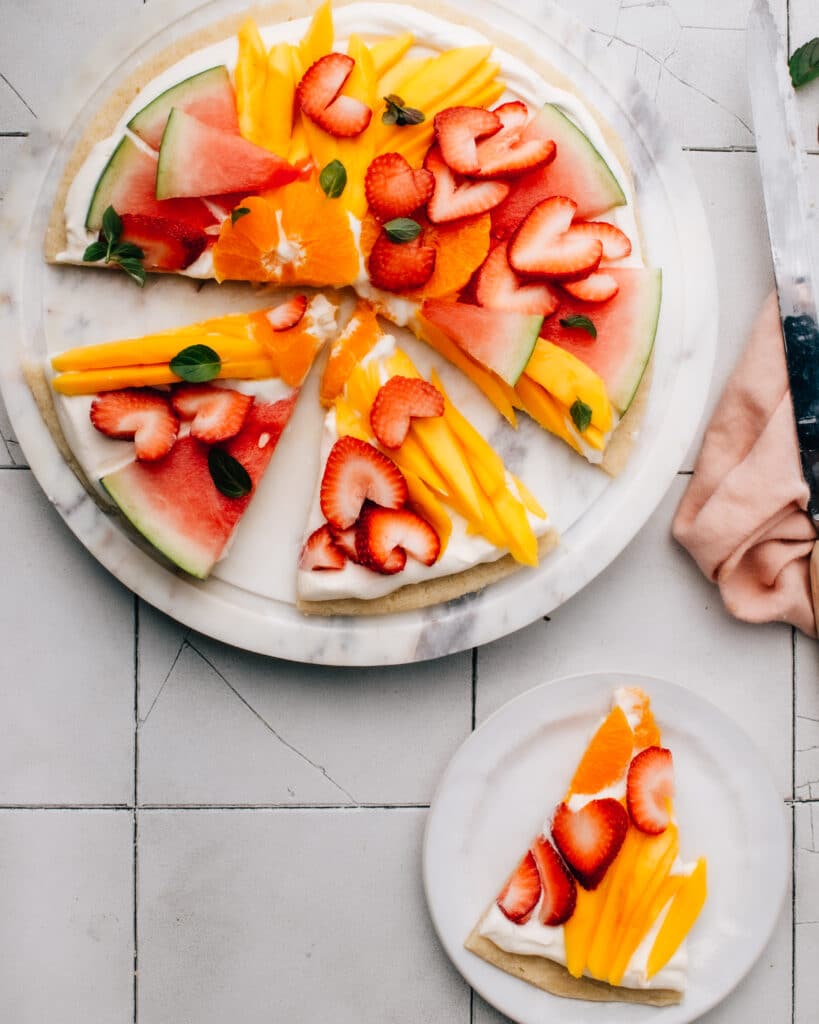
[
  {"x": 112, "y": 174},
  {"x": 208, "y": 90},
  {"x": 499, "y": 340},
  {"x": 126, "y": 489},
  {"x": 624, "y": 386}
]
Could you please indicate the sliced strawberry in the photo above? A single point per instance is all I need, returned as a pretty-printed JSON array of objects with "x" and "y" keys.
[
  {"x": 397, "y": 402},
  {"x": 319, "y": 97},
  {"x": 216, "y": 413},
  {"x": 451, "y": 200},
  {"x": 543, "y": 245},
  {"x": 355, "y": 472},
  {"x": 506, "y": 154},
  {"x": 386, "y": 536},
  {"x": 649, "y": 790},
  {"x": 345, "y": 539},
  {"x": 590, "y": 839},
  {"x": 458, "y": 129},
  {"x": 597, "y": 287},
  {"x": 518, "y": 898},
  {"x": 166, "y": 244},
  {"x": 497, "y": 286},
  {"x": 141, "y": 414},
  {"x": 288, "y": 314},
  {"x": 559, "y": 889},
  {"x": 398, "y": 266},
  {"x": 320, "y": 552},
  {"x": 394, "y": 189},
  {"x": 616, "y": 244}
]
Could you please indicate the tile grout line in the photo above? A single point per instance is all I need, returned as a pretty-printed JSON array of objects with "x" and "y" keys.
[{"x": 135, "y": 854}]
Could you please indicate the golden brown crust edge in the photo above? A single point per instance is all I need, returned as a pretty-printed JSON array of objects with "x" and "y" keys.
[{"x": 554, "y": 978}]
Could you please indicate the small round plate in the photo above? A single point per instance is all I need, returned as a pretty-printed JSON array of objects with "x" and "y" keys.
[{"x": 512, "y": 771}]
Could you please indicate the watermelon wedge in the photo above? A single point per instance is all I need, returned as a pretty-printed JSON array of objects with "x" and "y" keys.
[
  {"x": 500, "y": 340},
  {"x": 625, "y": 325},
  {"x": 174, "y": 502},
  {"x": 578, "y": 171},
  {"x": 197, "y": 159},
  {"x": 128, "y": 183},
  {"x": 207, "y": 96}
]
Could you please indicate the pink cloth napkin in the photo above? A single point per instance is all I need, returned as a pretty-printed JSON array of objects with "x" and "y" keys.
[{"x": 743, "y": 516}]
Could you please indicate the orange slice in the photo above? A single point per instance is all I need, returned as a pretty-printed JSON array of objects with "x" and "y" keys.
[
  {"x": 358, "y": 337},
  {"x": 607, "y": 755},
  {"x": 646, "y": 732},
  {"x": 247, "y": 250}
]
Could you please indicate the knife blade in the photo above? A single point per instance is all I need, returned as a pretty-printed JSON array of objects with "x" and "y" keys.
[{"x": 792, "y": 230}]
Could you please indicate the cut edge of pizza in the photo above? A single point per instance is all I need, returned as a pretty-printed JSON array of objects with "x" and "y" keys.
[{"x": 600, "y": 904}]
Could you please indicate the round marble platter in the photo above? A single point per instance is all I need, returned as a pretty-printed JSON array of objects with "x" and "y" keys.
[{"x": 249, "y": 600}]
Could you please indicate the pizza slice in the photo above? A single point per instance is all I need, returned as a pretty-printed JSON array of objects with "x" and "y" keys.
[
  {"x": 179, "y": 427},
  {"x": 600, "y": 905},
  {"x": 412, "y": 505}
]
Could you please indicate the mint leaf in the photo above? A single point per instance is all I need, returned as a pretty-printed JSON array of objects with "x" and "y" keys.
[
  {"x": 229, "y": 475},
  {"x": 333, "y": 179},
  {"x": 133, "y": 268},
  {"x": 402, "y": 229},
  {"x": 196, "y": 364},
  {"x": 111, "y": 226},
  {"x": 396, "y": 113},
  {"x": 581, "y": 322},
  {"x": 581, "y": 414},
  {"x": 238, "y": 213},
  {"x": 96, "y": 251},
  {"x": 127, "y": 251},
  {"x": 804, "y": 63}
]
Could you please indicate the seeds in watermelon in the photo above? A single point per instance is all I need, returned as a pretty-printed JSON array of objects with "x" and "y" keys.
[
  {"x": 625, "y": 325},
  {"x": 196, "y": 159},
  {"x": 578, "y": 171},
  {"x": 174, "y": 502},
  {"x": 128, "y": 183},
  {"x": 207, "y": 96},
  {"x": 498, "y": 339}
]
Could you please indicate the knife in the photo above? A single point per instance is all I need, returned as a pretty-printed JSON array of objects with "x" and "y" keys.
[{"x": 793, "y": 230}]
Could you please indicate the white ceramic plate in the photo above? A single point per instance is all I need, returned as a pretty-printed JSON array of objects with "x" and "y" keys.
[
  {"x": 249, "y": 599},
  {"x": 512, "y": 771}
]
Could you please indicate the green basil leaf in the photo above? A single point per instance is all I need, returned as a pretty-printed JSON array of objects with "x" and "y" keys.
[
  {"x": 127, "y": 251},
  {"x": 581, "y": 414},
  {"x": 134, "y": 270},
  {"x": 238, "y": 213},
  {"x": 96, "y": 251},
  {"x": 111, "y": 226},
  {"x": 333, "y": 179},
  {"x": 229, "y": 475},
  {"x": 581, "y": 322},
  {"x": 402, "y": 229},
  {"x": 196, "y": 364},
  {"x": 804, "y": 63}
]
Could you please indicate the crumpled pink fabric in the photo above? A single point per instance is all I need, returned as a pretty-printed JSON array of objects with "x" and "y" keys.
[{"x": 743, "y": 515}]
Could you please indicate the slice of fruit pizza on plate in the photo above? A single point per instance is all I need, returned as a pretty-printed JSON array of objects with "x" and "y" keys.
[
  {"x": 440, "y": 179},
  {"x": 600, "y": 904}
]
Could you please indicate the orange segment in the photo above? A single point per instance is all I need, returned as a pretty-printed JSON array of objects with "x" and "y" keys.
[
  {"x": 607, "y": 755},
  {"x": 247, "y": 250},
  {"x": 358, "y": 337},
  {"x": 646, "y": 732},
  {"x": 292, "y": 352},
  {"x": 319, "y": 229},
  {"x": 460, "y": 248}
]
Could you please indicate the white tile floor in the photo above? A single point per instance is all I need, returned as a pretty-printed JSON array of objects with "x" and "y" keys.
[{"x": 275, "y": 810}]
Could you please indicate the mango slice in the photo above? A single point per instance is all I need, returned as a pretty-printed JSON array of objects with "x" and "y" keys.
[
  {"x": 392, "y": 80},
  {"x": 387, "y": 52},
  {"x": 682, "y": 914},
  {"x": 623, "y": 881},
  {"x": 250, "y": 78},
  {"x": 318, "y": 39},
  {"x": 567, "y": 379},
  {"x": 428, "y": 506},
  {"x": 578, "y": 931}
]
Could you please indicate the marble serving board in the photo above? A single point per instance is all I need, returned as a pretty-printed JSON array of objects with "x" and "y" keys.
[{"x": 249, "y": 599}]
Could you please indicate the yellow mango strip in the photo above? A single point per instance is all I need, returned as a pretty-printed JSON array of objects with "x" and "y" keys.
[
  {"x": 521, "y": 539},
  {"x": 89, "y": 382},
  {"x": 472, "y": 441},
  {"x": 682, "y": 914},
  {"x": 443, "y": 449},
  {"x": 666, "y": 891},
  {"x": 651, "y": 871},
  {"x": 602, "y": 949},
  {"x": 356, "y": 153},
  {"x": 489, "y": 525},
  {"x": 428, "y": 506},
  {"x": 498, "y": 392},
  {"x": 154, "y": 348},
  {"x": 299, "y": 149},
  {"x": 544, "y": 410},
  {"x": 567, "y": 379},
  {"x": 578, "y": 931},
  {"x": 387, "y": 52},
  {"x": 279, "y": 93},
  {"x": 529, "y": 500},
  {"x": 402, "y": 140},
  {"x": 349, "y": 422},
  {"x": 392, "y": 81},
  {"x": 412, "y": 457},
  {"x": 250, "y": 79},
  {"x": 360, "y": 392},
  {"x": 318, "y": 39}
]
